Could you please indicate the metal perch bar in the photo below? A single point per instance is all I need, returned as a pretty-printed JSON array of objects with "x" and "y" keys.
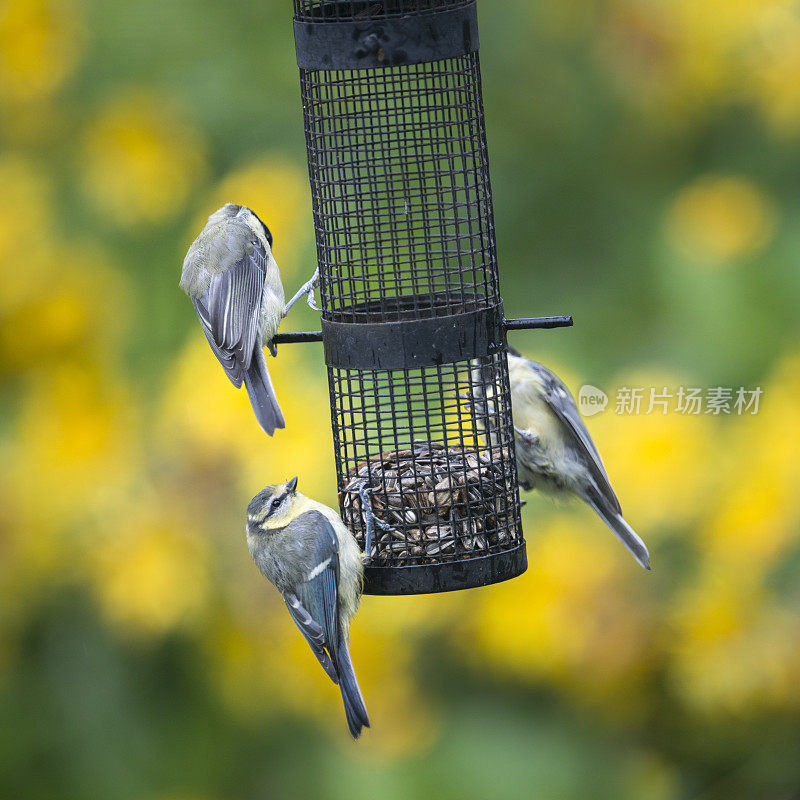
[{"x": 513, "y": 324}]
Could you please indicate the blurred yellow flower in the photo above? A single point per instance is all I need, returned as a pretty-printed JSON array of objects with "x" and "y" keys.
[
  {"x": 25, "y": 229},
  {"x": 71, "y": 453},
  {"x": 772, "y": 80},
  {"x": 386, "y": 634},
  {"x": 47, "y": 327},
  {"x": 757, "y": 513},
  {"x": 414, "y": 616},
  {"x": 277, "y": 190},
  {"x": 40, "y": 44},
  {"x": 76, "y": 442},
  {"x": 262, "y": 663},
  {"x": 680, "y": 58},
  {"x": 79, "y": 309},
  {"x": 259, "y": 663},
  {"x": 37, "y": 552},
  {"x": 734, "y": 651},
  {"x": 270, "y": 666},
  {"x": 141, "y": 159},
  {"x": 150, "y": 569},
  {"x": 718, "y": 219},
  {"x": 305, "y": 446},
  {"x": 204, "y": 415},
  {"x": 202, "y": 409},
  {"x": 662, "y": 466},
  {"x": 724, "y": 24},
  {"x": 574, "y": 619}
]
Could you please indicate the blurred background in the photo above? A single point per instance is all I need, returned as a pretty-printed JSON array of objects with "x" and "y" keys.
[{"x": 645, "y": 160}]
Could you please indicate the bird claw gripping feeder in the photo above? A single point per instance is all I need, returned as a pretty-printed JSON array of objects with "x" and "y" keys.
[{"x": 412, "y": 322}]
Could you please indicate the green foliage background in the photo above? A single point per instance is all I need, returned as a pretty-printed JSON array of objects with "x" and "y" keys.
[{"x": 644, "y": 160}]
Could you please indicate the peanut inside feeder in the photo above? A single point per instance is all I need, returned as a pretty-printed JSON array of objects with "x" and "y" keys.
[{"x": 429, "y": 503}]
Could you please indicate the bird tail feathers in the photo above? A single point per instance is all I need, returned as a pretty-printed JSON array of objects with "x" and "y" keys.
[
  {"x": 354, "y": 708},
  {"x": 623, "y": 532},
  {"x": 262, "y": 395}
]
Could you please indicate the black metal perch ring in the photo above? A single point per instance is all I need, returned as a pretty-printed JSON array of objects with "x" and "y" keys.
[{"x": 512, "y": 324}]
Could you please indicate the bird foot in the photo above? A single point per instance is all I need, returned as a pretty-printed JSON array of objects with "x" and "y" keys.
[
  {"x": 370, "y": 520},
  {"x": 527, "y": 437},
  {"x": 306, "y": 289}
]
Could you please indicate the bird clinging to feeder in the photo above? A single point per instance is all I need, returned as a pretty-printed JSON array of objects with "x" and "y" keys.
[
  {"x": 304, "y": 549},
  {"x": 235, "y": 285},
  {"x": 555, "y": 452}
]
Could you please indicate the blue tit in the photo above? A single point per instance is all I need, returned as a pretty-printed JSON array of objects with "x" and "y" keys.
[
  {"x": 232, "y": 279},
  {"x": 305, "y": 550},
  {"x": 555, "y": 452}
]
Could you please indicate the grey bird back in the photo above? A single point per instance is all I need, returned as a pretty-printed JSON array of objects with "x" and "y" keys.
[{"x": 224, "y": 274}]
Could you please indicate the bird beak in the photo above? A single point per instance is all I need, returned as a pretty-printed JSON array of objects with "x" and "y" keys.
[{"x": 292, "y": 485}]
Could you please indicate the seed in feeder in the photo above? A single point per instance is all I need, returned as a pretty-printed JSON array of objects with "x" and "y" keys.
[{"x": 430, "y": 504}]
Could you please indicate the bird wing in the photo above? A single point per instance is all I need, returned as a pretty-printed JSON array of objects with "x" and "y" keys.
[
  {"x": 229, "y": 311},
  {"x": 312, "y": 632},
  {"x": 318, "y": 594},
  {"x": 233, "y": 369},
  {"x": 562, "y": 403}
]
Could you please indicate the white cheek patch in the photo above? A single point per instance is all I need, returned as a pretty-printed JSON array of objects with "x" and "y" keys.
[
  {"x": 318, "y": 570},
  {"x": 257, "y": 517}
]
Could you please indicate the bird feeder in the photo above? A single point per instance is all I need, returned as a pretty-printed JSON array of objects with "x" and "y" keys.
[{"x": 412, "y": 319}]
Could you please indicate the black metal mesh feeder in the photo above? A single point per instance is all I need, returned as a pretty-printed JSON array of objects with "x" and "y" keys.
[{"x": 412, "y": 322}]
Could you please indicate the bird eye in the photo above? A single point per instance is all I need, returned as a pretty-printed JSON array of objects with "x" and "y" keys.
[{"x": 275, "y": 503}]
